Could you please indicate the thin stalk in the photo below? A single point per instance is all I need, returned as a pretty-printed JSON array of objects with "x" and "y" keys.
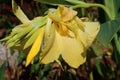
[
  {"x": 91, "y": 76},
  {"x": 117, "y": 43},
  {"x": 87, "y": 5}
]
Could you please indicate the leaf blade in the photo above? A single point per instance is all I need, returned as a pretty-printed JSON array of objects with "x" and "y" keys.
[
  {"x": 107, "y": 31},
  {"x": 2, "y": 69},
  {"x": 54, "y": 2}
]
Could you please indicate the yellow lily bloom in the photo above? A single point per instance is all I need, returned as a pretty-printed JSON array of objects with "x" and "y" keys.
[
  {"x": 59, "y": 33},
  {"x": 71, "y": 40}
]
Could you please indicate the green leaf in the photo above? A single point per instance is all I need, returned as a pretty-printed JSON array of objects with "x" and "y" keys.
[
  {"x": 35, "y": 67},
  {"x": 97, "y": 48},
  {"x": 54, "y": 2},
  {"x": 113, "y": 7},
  {"x": 98, "y": 66},
  {"x": 21, "y": 56},
  {"x": 107, "y": 31},
  {"x": 47, "y": 67},
  {"x": 2, "y": 70},
  {"x": 116, "y": 55}
]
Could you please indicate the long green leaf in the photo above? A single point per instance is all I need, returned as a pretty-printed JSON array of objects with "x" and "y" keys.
[
  {"x": 2, "y": 70},
  {"x": 98, "y": 66},
  {"x": 113, "y": 7},
  {"x": 54, "y": 2},
  {"x": 118, "y": 6},
  {"x": 107, "y": 31}
]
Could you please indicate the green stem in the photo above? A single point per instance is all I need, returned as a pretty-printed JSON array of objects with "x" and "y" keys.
[
  {"x": 117, "y": 43},
  {"x": 91, "y": 76},
  {"x": 87, "y": 5}
]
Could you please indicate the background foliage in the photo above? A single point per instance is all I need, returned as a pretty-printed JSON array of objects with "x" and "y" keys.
[{"x": 103, "y": 58}]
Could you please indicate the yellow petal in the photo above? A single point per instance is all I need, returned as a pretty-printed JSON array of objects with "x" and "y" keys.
[
  {"x": 63, "y": 30},
  {"x": 36, "y": 46},
  {"x": 54, "y": 17},
  {"x": 19, "y": 13},
  {"x": 69, "y": 48},
  {"x": 71, "y": 51},
  {"x": 86, "y": 35},
  {"x": 59, "y": 63},
  {"x": 52, "y": 54},
  {"x": 80, "y": 35},
  {"x": 66, "y": 13},
  {"x": 82, "y": 38},
  {"x": 92, "y": 29},
  {"x": 49, "y": 37},
  {"x": 80, "y": 23},
  {"x": 109, "y": 53}
]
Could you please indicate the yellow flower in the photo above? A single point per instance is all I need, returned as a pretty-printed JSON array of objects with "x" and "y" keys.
[
  {"x": 72, "y": 38},
  {"x": 61, "y": 32}
]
